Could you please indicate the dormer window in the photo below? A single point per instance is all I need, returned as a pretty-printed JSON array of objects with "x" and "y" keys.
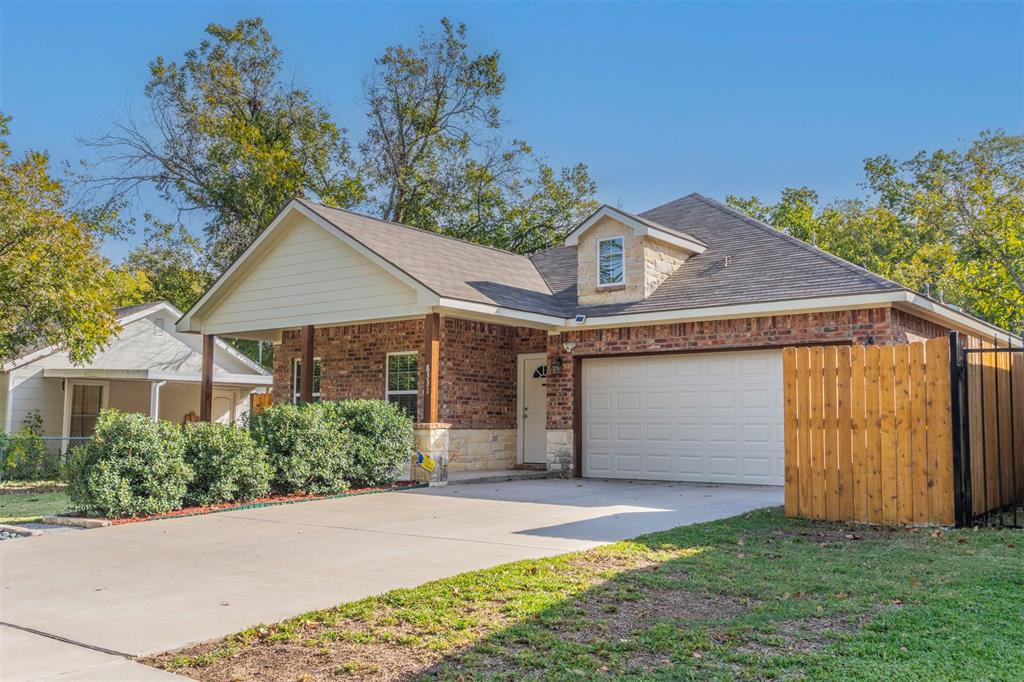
[{"x": 611, "y": 266}]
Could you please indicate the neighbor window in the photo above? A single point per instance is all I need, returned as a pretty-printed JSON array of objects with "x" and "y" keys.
[
  {"x": 297, "y": 380},
  {"x": 610, "y": 262},
  {"x": 86, "y": 403},
  {"x": 403, "y": 376}
]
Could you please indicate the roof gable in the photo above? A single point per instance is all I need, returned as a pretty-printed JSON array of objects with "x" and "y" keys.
[{"x": 641, "y": 226}]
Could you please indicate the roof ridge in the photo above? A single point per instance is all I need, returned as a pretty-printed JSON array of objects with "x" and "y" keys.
[
  {"x": 411, "y": 227},
  {"x": 853, "y": 267}
]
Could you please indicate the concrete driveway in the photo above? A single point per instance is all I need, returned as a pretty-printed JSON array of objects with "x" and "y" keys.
[{"x": 150, "y": 587}]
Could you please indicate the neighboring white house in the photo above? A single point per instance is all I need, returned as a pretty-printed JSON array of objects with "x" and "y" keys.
[{"x": 148, "y": 368}]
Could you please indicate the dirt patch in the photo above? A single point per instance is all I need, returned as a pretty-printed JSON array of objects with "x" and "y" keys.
[
  {"x": 606, "y": 615},
  {"x": 807, "y": 635},
  {"x": 260, "y": 502},
  {"x": 301, "y": 661}
]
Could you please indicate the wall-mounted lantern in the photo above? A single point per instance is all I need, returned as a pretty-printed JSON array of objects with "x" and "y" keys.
[{"x": 556, "y": 366}]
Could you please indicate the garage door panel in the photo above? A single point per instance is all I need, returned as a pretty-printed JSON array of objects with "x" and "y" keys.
[{"x": 700, "y": 417}]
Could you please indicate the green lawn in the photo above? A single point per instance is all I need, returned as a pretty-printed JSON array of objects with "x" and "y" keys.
[
  {"x": 23, "y": 507},
  {"x": 752, "y": 597}
]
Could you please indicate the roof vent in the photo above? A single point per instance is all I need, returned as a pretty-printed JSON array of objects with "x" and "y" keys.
[{"x": 728, "y": 261}]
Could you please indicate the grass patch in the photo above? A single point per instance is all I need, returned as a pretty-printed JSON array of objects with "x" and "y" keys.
[
  {"x": 752, "y": 597},
  {"x": 25, "y": 507}
]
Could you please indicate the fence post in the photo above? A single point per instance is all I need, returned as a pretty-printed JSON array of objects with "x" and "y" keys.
[{"x": 962, "y": 509}]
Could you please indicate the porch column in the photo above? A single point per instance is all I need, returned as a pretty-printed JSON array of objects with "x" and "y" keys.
[
  {"x": 431, "y": 355},
  {"x": 306, "y": 378},
  {"x": 206, "y": 383}
]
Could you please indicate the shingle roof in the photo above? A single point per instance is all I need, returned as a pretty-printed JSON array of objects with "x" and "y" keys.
[
  {"x": 449, "y": 267},
  {"x": 764, "y": 264}
]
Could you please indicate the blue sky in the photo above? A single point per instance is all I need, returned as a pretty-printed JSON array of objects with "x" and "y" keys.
[{"x": 660, "y": 99}]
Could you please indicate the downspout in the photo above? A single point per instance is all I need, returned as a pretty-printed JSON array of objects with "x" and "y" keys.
[{"x": 154, "y": 399}]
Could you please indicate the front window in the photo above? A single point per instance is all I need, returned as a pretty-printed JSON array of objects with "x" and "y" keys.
[
  {"x": 610, "y": 262},
  {"x": 403, "y": 376},
  {"x": 297, "y": 380}
]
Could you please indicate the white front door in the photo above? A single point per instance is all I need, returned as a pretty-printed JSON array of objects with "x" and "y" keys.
[
  {"x": 697, "y": 417},
  {"x": 532, "y": 405}
]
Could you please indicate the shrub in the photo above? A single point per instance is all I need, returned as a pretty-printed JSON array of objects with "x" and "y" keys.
[
  {"x": 306, "y": 452},
  {"x": 25, "y": 454},
  {"x": 227, "y": 462},
  {"x": 380, "y": 439},
  {"x": 132, "y": 467}
]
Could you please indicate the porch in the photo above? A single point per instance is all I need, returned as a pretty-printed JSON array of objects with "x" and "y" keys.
[{"x": 170, "y": 397}]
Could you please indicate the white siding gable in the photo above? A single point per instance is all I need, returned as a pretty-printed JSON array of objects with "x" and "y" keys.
[{"x": 307, "y": 275}]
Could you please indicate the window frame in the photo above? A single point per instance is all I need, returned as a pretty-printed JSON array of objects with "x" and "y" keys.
[
  {"x": 69, "y": 385},
  {"x": 296, "y": 396},
  {"x": 622, "y": 255},
  {"x": 387, "y": 375}
]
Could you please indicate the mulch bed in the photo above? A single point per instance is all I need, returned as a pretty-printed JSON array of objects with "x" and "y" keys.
[{"x": 260, "y": 502}]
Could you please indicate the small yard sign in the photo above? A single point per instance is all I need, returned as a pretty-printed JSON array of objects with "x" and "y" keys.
[{"x": 425, "y": 462}]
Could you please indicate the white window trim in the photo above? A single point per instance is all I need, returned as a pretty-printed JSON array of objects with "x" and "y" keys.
[
  {"x": 295, "y": 379},
  {"x": 609, "y": 285},
  {"x": 387, "y": 371},
  {"x": 69, "y": 385}
]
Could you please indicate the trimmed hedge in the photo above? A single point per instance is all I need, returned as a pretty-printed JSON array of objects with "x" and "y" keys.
[
  {"x": 132, "y": 467},
  {"x": 307, "y": 452},
  {"x": 379, "y": 439},
  {"x": 228, "y": 464}
]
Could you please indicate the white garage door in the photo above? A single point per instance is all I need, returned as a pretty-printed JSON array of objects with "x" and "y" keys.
[{"x": 695, "y": 417}]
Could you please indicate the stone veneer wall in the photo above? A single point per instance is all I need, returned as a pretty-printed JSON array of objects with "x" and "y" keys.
[
  {"x": 586, "y": 263},
  {"x": 481, "y": 449},
  {"x": 660, "y": 261}
]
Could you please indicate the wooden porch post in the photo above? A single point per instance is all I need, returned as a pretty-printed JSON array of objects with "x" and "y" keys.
[
  {"x": 306, "y": 378},
  {"x": 206, "y": 383},
  {"x": 431, "y": 354}
]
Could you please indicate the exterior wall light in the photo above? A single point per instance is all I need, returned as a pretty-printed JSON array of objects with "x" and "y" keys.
[{"x": 556, "y": 366}]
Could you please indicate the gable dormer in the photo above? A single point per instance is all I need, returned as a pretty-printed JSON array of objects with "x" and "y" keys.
[{"x": 623, "y": 258}]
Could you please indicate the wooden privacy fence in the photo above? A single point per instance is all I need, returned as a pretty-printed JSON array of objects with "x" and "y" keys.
[
  {"x": 868, "y": 433},
  {"x": 259, "y": 402},
  {"x": 992, "y": 442}
]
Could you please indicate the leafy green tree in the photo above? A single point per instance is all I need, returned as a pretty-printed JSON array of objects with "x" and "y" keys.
[
  {"x": 435, "y": 158},
  {"x": 55, "y": 287},
  {"x": 229, "y": 137},
  {"x": 947, "y": 222},
  {"x": 173, "y": 262}
]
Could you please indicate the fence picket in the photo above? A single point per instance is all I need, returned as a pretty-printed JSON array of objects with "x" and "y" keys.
[
  {"x": 830, "y": 433},
  {"x": 803, "y": 363},
  {"x": 918, "y": 429},
  {"x": 858, "y": 453},
  {"x": 904, "y": 464},
  {"x": 844, "y": 434},
  {"x": 873, "y": 439},
  {"x": 817, "y": 451},
  {"x": 791, "y": 493},
  {"x": 887, "y": 427},
  {"x": 940, "y": 430}
]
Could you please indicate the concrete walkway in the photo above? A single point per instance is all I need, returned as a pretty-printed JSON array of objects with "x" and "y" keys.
[{"x": 149, "y": 587}]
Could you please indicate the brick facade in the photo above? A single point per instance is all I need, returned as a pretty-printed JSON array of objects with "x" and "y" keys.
[
  {"x": 869, "y": 326},
  {"x": 478, "y": 361},
  {"x": 477, "y": 372},
  {"x": 352, "y": 358}
]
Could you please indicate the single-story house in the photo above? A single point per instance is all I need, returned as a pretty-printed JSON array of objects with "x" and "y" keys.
[
  {"x": 647, "y": 346},
  {"x": 149, "y": 367}
]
